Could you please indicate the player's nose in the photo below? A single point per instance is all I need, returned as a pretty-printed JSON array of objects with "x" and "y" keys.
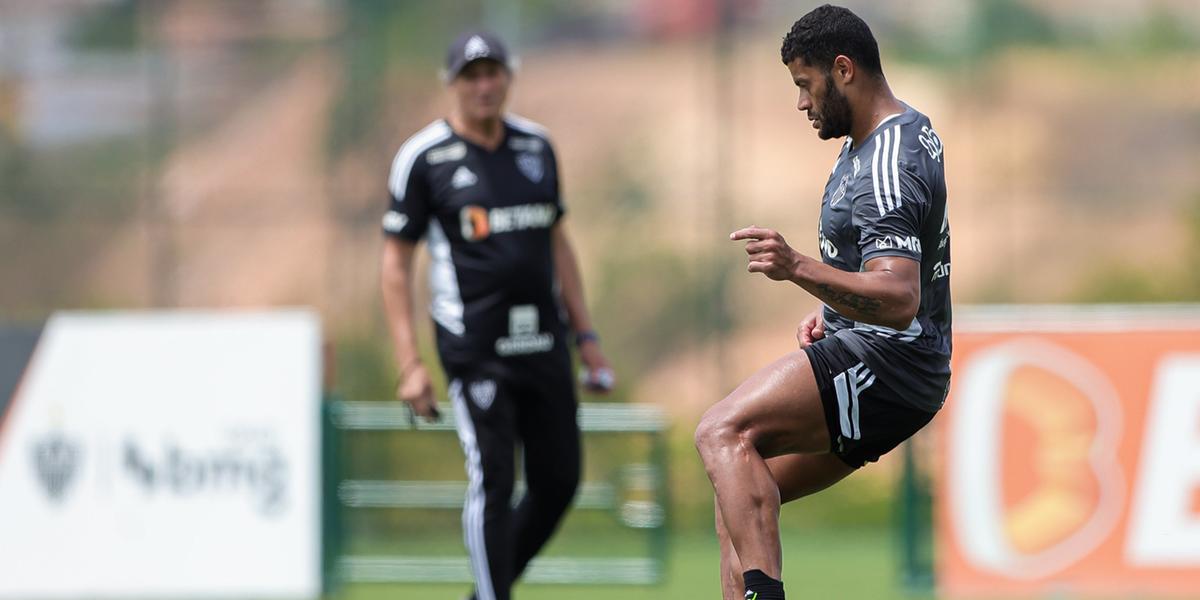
[{"x": 803, "y": 103}]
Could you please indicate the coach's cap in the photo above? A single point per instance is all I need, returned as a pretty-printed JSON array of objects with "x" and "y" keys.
[{"x": 471, "y": 46}]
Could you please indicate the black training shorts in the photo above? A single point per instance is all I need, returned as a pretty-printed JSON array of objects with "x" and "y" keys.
[{"x": 863, "y": 408}]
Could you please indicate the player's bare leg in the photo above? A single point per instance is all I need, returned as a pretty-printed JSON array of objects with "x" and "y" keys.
[
  {"x": 776, "y": 411},
  {"x": 797, "y": 475},
  {"x": 731, "y": 568}
]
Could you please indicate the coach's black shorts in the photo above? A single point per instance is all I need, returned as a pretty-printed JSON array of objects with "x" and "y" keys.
[{"x": 863, "y": 411}]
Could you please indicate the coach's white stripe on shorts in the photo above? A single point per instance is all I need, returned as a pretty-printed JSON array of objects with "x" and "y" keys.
[
  {"x": 434, "y": 133},
  {"x": 473, "y": 509},
  {"x": 875, "y": 175},
  {"x": 895, "y": 161}
]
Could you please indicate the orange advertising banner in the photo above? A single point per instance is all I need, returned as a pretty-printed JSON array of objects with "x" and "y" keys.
[{"x": 1069, "y": 453}]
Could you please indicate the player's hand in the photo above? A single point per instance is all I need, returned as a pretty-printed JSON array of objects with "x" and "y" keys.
[
  {"x": 769, "y": 253},
  {"x": 599, "y": 374},
  {"x": 811, "y": 329},
  {"x": 417, "y": 391}
]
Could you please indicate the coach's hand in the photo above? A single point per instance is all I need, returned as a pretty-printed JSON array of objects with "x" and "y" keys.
[
  {"x": 416, "y": 390},
  {"x": 769, "y": 253},
  {"x": 600, "y": 378},
  {"x": 812, "y": 328}
]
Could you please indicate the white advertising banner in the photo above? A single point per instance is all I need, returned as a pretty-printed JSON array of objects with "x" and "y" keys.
[{"x": 155, "y": 455}]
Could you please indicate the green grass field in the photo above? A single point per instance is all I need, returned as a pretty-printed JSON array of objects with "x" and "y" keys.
[{"x": 818, "y": 564}]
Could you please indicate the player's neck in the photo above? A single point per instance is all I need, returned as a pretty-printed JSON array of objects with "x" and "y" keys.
[
  {"x": 873, "y": 110},
  {"x": 487, "y": 133}
]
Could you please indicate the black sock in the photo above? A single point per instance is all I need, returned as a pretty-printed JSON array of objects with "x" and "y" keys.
[{"x": 761, "y": 587}]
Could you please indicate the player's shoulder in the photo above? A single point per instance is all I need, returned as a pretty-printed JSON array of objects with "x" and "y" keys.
[
  {"x": 904, "y": 144},
  {"x": 919, "y": 145},
  {"x": 896, "y": 164},
  {"x": 527, "y": 132}
]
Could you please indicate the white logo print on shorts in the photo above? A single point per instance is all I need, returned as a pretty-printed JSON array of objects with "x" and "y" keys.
[{"x": 483, "y": 393}]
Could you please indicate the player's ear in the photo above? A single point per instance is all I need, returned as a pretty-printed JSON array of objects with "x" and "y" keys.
[{"x": 843, "y": 69}]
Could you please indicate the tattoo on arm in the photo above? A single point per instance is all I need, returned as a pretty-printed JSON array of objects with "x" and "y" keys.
[{"x": 861, "y": 304}]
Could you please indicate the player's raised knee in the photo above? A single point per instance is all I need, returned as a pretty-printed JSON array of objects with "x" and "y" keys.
[{"x": 715, "y": 431}]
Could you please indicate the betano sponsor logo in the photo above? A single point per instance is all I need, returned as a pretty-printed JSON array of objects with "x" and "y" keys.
[{"x": 479, "y": 223}]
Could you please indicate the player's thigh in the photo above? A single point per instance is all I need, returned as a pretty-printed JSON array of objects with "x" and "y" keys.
[
  {"x": 800, "y": 475},
  {"x": 778, "y": 410}
]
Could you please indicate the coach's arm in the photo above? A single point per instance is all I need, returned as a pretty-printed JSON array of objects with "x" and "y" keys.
[
  {"x": 886, "y": 292},
  {"x": 566, "y": 268},
  {"x": 396, "y": 270}
]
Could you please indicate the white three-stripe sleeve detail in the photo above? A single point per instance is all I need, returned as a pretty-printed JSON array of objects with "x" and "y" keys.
[
  {"x": 885, "y": 175},
  {"x": 875, "y": 174},
  {"x": 895, "y": 165},
  {"x": 406, "y": 157}
]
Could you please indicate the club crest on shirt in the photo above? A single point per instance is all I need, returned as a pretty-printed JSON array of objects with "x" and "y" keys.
[
  {"x": 483, "y": 393},
  {"x": 531, "y": 166},
  {"x": 841, "y": 191}
]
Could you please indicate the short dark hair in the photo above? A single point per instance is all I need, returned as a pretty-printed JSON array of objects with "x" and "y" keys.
[{"x": 827, "y": 31}]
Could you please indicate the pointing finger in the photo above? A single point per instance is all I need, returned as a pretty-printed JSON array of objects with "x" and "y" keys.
[{"x": 750, "y": 233}]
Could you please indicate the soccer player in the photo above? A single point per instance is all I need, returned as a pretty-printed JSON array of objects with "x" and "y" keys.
[
  {"x": 873, "y": 366},
  {"x": 481, "y": 187}
]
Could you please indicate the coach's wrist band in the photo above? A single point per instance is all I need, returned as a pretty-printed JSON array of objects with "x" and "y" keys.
[{"x": 586, "y": 336}]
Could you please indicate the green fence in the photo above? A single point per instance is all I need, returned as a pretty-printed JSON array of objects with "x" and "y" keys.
[{"x": 633, "y": 497}]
